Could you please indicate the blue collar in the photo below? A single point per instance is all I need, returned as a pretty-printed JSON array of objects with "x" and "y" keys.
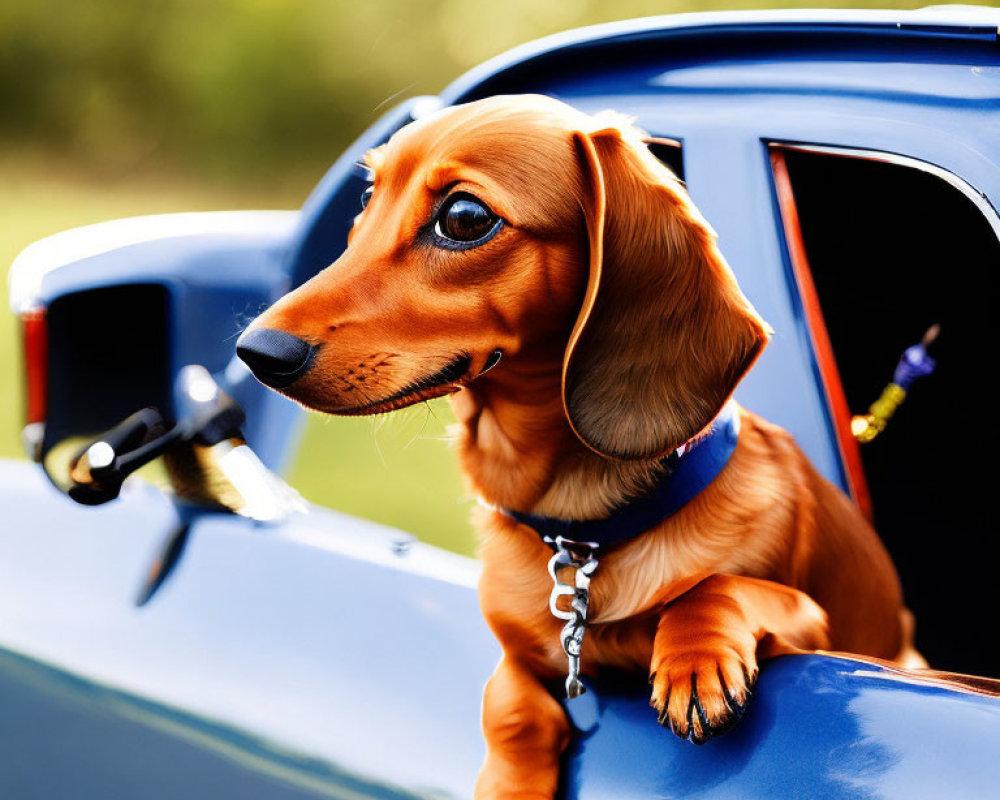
[{"x": 689, "y": 470}]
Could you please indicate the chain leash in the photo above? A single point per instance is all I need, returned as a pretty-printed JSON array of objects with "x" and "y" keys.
[{"x": 580, "y": 557}]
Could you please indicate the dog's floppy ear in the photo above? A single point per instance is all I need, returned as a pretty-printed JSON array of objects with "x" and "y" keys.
[{"x": 664, "y": 333}]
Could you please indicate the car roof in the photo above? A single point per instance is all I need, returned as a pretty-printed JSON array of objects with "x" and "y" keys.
[{"x": 945, "y": 21}]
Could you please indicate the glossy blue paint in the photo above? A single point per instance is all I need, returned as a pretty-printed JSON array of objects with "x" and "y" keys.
[
  {"x": 819, "y": 728},
  {"x": 322, "y": 651},
  {"x": 330, "y": 657},
  {"x": 583, "y": 46}
]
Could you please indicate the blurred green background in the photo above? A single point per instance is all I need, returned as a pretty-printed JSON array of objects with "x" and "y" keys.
[{"x": 112, "y": 108}]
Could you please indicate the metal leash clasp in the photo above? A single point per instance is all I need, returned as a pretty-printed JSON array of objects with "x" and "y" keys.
[{"x": 579, "y": 556}]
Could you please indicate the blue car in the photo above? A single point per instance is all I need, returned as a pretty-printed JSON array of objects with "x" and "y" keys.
[{"x": 154, "y": 645}]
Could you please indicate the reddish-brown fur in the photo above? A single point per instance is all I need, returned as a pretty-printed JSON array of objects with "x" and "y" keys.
[{"x": 623, "y": 333}]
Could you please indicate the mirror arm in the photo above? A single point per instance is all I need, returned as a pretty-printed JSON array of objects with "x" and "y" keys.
[
  {"x": 101, "y": 467},
  {"x": 207, "y": 459}
]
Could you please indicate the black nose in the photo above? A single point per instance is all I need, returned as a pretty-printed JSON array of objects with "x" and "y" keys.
[{"x": 275, "y": 357}]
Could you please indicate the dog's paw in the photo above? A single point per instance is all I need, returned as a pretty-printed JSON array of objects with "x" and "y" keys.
[{"x": 701, "y": 696}]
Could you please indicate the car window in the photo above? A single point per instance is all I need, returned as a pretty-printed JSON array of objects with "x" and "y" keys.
[
  {"x": 880, "y": 251},
  {"x": 670, "y": 152}
]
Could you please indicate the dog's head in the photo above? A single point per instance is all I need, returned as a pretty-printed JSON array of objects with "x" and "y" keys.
[{"x": 519, "y": 226}]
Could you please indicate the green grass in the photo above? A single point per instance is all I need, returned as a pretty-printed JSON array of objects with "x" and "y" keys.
[{"x": 397, "y": 470}]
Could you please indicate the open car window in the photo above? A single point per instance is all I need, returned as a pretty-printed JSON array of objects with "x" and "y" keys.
[
  {"x": 881, "y": 249},
  {"x": 670, "y": 152}
]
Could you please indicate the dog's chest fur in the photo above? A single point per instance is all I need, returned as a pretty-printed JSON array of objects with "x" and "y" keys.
[{"x": 634, "y": 579}]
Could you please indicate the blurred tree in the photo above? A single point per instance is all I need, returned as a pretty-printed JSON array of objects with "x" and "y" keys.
[{"x": 230, "y": 88}]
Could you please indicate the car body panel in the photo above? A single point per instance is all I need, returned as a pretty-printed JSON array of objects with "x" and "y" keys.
[
  {"x": 819, "y": 728},
  {"x": 296, "y": 635},
  {"x": 331, "y": 657}
]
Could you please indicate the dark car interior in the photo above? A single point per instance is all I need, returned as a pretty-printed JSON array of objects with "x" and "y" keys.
[{"x": 893, "y": 250}]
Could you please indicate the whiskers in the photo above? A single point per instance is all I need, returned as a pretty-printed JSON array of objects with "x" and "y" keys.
[
  {"x": 421, "y": 422},
  {"x": 242, "y": 319}
]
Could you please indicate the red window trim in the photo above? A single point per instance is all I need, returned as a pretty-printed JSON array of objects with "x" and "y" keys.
[{"x": 850, "y": 451}]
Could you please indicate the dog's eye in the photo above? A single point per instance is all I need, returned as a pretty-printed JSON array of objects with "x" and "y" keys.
[
  {"x": 465, "y": 220},
  {"x": 366, "y": 195}
]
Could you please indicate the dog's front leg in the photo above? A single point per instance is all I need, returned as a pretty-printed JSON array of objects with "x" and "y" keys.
[
  {"x": 707, "y": 644},
  {"x": 526, "y": 732}
]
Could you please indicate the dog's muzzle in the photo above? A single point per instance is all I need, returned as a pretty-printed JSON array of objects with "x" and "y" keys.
[{"x": 276, "y": 358}]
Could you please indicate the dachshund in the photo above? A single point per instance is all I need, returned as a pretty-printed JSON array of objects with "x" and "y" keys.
[{"x": 542, "y": 268}]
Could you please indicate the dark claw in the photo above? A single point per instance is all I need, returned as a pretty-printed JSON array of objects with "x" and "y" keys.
[
  {"x": 707, "y": 731},
  {"x": 662, "y": 718},
  {"x": 730, "y": 701},
  {"x": 737, "y": 709},
  {"x": 695, "y": 706},
  {"x": 735, "y": 706},
  {"x": 731, "y": 720},
  {"x": 700, "y": 739}
]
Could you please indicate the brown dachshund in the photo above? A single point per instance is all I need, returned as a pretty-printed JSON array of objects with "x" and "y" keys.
[{"x": 518, "y": 229}]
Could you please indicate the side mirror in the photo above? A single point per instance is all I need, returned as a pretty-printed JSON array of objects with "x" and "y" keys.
[
  {"x": 203, "y": 450},
  {"x": 111, "y": 315}
]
